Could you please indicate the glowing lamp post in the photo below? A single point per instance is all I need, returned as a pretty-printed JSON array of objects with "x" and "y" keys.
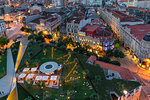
[
  {"x": 125, "y": 92},
  {"x": 68, "y": 98}
]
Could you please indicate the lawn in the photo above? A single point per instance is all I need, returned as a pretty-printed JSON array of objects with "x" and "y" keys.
[
  {"x": 76, "y": 87},
  {"x": 3, "y": 64},
  {"x": 14, "y": 49},
  {"x": 104, "y": 86},
  {"x": 22, "y": 94},
  {"x": 31, "y": 51},
  {"x": 3, "y": 98}
]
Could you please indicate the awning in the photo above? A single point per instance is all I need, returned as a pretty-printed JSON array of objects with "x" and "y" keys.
[
  {"x": 45, "y": 78},
  {"x": 22, "y": 75},
  {"x": 34, "y": 69},
  {"x": 30, "y": 76},
  {"x": 53, "y": 78},
  {"x": 26, "y": 69},
  {"x": 38, "y": 78}
]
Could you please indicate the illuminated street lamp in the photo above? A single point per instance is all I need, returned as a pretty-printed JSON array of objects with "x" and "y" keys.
[
  {"x": 68, "y": 98},
  {"x": 125, "y": 91}
]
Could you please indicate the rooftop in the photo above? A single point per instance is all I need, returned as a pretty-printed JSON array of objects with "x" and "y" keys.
[
  {"x": 97, "y": 21},
  {"x": 46, "y": 16},
  {"x": 97, "y": 30},
  {"x": 37, "y": 21},
  {"x": 139, "y": 31},
  {"x": 91, "y": 58},
  {"x": 76, "y": 18},
  {"x": 124, "y": 72},
  {"x": 90, "y": 28},
  {"x": 124, "y": 17},
  {"x": 126, "y": 0}
]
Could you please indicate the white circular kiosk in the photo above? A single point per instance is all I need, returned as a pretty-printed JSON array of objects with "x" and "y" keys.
[{"x": 48, "y": 68}]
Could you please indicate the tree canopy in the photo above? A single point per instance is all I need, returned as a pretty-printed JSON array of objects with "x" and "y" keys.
[
  {"x": 3, "y": 41},
  {"x": 118, "y": 54}
]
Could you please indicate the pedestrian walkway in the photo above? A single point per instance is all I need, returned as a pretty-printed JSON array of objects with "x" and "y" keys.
[
  {"x": 22, "y": 48},
  {"x": 6, "y": 81}
]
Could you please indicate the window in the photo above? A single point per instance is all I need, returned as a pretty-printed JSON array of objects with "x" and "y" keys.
[
  {"x": 75, "y": 31},
  {"x": 113, "y": 74}
]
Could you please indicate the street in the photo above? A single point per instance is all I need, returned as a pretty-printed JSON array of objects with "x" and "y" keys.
[{"x": 141, "y": 75}]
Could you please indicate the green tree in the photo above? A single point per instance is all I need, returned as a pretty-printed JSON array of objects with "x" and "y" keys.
[
  {"x": 116, "y": 53},
  {"x": 109, "y": 53},
  {"x": 60, "y": 44},
  {"x": 77, "y": 44},
  {"x": 104, "y": 59},
  {"x": 115, "y": 63},
  {"x": 28, "y": 98},
  {"x": 3, "y": 41},
  {"x": 22, "y": 29},
  {"x": 28, "y": 30},
  {"x": 40, "y": 33},
  {"x": 80, "y": 50},
  {"x": 68, "y": 40},
  {"x": 94, "y": 96},
  {"x": 48, "y": 36},
  {"x": 117, "y": 43},
  {"x": 121, "y": 54},
  {"x": 40, "y": 38},
  {"x": 12, "y": 6},
  {"x": 63, "y": 47},
  {"x": 86, "y": 47},
  {"x": 32, "y": 37}
]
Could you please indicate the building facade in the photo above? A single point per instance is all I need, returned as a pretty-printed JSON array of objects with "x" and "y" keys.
[
  {"x": 128, "y": 3},
  {"x": 131, "y": 32},
  {"x": 143, "y": 4},
  {"x": 47, "y": 22},
  {"x": 88, "y": 2},
  {"x": 2, "y": 28},
  {"x": 96, "y": 35},
  {"x": 118, "y": 72},
  {"x": 91, "y": 32}
]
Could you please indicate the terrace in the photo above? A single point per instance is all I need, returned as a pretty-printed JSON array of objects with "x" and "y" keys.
[
  {"x": 70, "y": 78},
  {"x": 104, "y": 86},
  {"x": 45, "y": 73}
]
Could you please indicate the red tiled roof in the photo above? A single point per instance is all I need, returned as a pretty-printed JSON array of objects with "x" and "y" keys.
[
  {"x": 76, "y": 18},
  {"x": 126, "y": 0},
  {"x": 91, "y": 28},
  {"x": 124, "y": 72},
  {"x": 36, "y": 11},
  {"x": 97, "y": 31},
  {"x": 139, "y": 31},
  {"x": 130, "y": 7},
  {"x": 124, "y": 17},
  {"x": 91, "y": 58},
  {"x": 97, "y": 21}
]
